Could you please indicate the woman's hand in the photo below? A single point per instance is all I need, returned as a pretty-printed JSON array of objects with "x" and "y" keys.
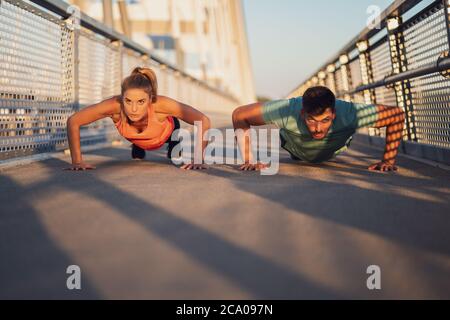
[
  {"x": 191, "y": 166},
  {"x": 80, "y": 167},
  {"x": 383, "y": 166},
  {"x": 253, "y": 167}
]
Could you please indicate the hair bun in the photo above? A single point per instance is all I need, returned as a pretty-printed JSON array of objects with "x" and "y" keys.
[
  {"x": 145, "y": 73},
  {"x": 137, "y": 70}
]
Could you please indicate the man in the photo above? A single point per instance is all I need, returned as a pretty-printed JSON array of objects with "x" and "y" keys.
[{"x": 316, "y": 127}]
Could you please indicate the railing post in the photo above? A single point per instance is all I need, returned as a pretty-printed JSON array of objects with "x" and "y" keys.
[
  {"x": 120, "y": 50},
  {"x": 447, "y": 18},
  {"x": 365, "y": 64},
  {"x": 399, "y": 65},
  {"x": 178, "y": 85},
  {"x": 331, "y": 82},
  {"x": 73, "y": 24},
  {"x": 346, "y": 76},
  {"x": 76, "y": 72},
  {"x": 321, "y": 75}
]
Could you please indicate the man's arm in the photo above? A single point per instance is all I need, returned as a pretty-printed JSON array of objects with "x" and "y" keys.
[
  {"x": 243, "y": 118},
  {"x": 393, "y": 119}
]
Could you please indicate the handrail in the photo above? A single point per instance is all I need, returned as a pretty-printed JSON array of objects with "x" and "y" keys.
[
  {"x": 397, "y": 8},
  {"x": 441, "y": 65}
]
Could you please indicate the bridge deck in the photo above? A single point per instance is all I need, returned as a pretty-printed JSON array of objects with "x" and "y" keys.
[{"x": 149, "y": 230}]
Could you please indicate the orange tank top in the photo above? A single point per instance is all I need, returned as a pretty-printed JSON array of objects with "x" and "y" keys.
[{"x": 153, "y": 137}]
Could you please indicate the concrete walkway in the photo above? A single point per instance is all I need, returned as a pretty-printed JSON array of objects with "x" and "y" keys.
[{"x": 150, "y": 230}]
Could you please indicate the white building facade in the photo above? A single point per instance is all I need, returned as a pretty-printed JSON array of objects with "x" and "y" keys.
[{"x": 205, "y": 38}]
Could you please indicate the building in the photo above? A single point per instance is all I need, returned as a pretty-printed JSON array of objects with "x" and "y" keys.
[{"x": 205, "y": 38}]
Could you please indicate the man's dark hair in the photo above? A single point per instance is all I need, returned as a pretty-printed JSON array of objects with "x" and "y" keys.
[{"x": 317, "y": 100}]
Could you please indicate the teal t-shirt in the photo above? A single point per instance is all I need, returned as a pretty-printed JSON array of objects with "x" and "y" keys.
[{"x": 285, "y": 114}]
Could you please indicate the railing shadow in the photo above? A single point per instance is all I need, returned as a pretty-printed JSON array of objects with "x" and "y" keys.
[
  {"x": 33, "y": 266},
  {"x": 262, "y": 278}
]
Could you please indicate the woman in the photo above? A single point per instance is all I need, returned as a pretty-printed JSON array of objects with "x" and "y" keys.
[{"x": 140, "y": 116}]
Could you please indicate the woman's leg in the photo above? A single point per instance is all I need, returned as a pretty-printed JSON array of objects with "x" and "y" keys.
[
  {"x": 137, "y": 153},
  {"x": 171, "y": 142}
]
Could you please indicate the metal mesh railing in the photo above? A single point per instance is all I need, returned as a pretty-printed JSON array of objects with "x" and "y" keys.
[
  {"x": 49, "y": 69},
  {"x": 426, "y": 38},
  {"x": 36, "y": 84},
  {"x": 355, "y": 74},
  {"x": 99, "y": 74},
  {"x": 407, "y": 66},
  {"x": 381, "y": 68}
]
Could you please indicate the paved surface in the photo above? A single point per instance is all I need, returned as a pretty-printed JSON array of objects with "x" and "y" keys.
[{"x": 149, "y": 230}]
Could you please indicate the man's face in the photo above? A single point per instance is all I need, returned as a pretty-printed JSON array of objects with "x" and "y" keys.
[{"x": 319, "y": 125}]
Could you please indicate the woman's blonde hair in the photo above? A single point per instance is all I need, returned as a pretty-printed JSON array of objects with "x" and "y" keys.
[{"x": 142, "y": 78}]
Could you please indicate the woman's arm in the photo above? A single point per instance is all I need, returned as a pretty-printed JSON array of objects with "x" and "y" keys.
[
  {"x": 83, "y": 117},
  {"x": 189, "y": 115}
]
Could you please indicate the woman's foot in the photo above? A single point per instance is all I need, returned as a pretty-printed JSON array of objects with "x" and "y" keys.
[{"x": 137, "y": 153}]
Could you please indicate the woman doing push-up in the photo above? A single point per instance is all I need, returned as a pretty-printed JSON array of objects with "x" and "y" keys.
[{"x": 140, "y": 115}]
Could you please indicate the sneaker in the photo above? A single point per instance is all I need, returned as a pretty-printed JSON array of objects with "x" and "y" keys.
[{"x": 137, "y": 153}]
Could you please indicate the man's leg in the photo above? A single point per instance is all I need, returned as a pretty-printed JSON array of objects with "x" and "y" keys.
[
  {"x": 344, "y": 148},
  {"x": 283, "y": 143}
]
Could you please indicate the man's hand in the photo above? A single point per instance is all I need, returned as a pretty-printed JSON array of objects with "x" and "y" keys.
[
  {"x": 80, "y": 167},
  {"x": 191, "y": 166},
  {"x": 392, "y": 118},
  {"x": 244, "y": 118},
  {"x": 383, "y": 166},
  {"x": 253, "y": 167}
]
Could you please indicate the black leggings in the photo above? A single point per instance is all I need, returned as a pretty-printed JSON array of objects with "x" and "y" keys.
[
  {"x": 173, "y": 143},
  {"x": 176, "y": 123}
]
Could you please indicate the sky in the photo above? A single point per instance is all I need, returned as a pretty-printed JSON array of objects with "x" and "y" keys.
[{"x": 290, "y": 39}]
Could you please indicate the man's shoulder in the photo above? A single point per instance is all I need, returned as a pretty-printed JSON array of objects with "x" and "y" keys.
[
  {"x": 296, "y": 103},
  {"x": 342, "y": 105},
  {"x": 346, "y": 114},
  {"x": 284, "y": 103},
  {"x": 284, "y": 113},
  {"x": 292, "y": 107},
  {"x": 283, "y": 107},
  {"x": 355, "y": 114}
]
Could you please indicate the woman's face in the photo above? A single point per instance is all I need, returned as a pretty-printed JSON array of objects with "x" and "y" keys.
[{"x": 135, "y": 103}]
